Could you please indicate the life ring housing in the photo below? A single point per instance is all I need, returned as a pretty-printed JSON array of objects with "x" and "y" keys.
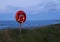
[{"x": 20, "y": 16}]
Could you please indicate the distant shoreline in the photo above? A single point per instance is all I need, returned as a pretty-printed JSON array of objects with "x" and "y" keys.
[{"x": 31, "y": 27}]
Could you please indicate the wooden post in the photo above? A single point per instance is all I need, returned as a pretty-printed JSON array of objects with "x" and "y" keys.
[{"x": 20, "y": 28}]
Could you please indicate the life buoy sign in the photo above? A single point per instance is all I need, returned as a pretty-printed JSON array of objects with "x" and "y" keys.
[{"x": 20, "y": 16}]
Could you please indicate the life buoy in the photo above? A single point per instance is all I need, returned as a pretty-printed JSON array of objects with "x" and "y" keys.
[{"x": 20, "y": 16}]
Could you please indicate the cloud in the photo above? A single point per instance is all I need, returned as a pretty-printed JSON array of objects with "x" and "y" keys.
[
  {"x": 44, "y": 8},
  {"x": 30, "y": 5}
]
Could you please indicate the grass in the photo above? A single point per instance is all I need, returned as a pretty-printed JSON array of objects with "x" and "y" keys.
[{"x": 49, "y": 33}]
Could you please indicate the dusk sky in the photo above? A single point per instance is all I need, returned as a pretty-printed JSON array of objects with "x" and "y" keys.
[{"x": 34, "y": 9}]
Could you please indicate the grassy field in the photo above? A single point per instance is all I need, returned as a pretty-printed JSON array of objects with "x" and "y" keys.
[{"x": 50, "y": 33}]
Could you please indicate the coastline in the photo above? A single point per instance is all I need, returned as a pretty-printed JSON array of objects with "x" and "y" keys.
[{"x": 42, "y": 34}]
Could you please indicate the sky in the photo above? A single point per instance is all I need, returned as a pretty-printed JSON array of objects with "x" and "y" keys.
[{"x": 34, "y": 9}]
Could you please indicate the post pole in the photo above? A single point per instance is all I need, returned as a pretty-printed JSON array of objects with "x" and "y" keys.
[{"x": 20, "y": 28}]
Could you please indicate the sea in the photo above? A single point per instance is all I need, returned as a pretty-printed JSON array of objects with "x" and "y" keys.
[{"x": 27, "y": 24}]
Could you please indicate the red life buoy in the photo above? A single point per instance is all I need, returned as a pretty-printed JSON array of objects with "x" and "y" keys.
[{"x": 20, "y": 16}]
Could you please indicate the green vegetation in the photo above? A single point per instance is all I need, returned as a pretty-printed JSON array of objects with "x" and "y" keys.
[{"x": 49, "y": 33}]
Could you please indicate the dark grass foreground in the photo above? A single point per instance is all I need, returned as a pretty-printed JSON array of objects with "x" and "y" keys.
[{"x": 49, "y": 33}]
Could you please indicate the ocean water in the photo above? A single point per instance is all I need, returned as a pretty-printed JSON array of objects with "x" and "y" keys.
[{"x": 14, "y": 24}]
